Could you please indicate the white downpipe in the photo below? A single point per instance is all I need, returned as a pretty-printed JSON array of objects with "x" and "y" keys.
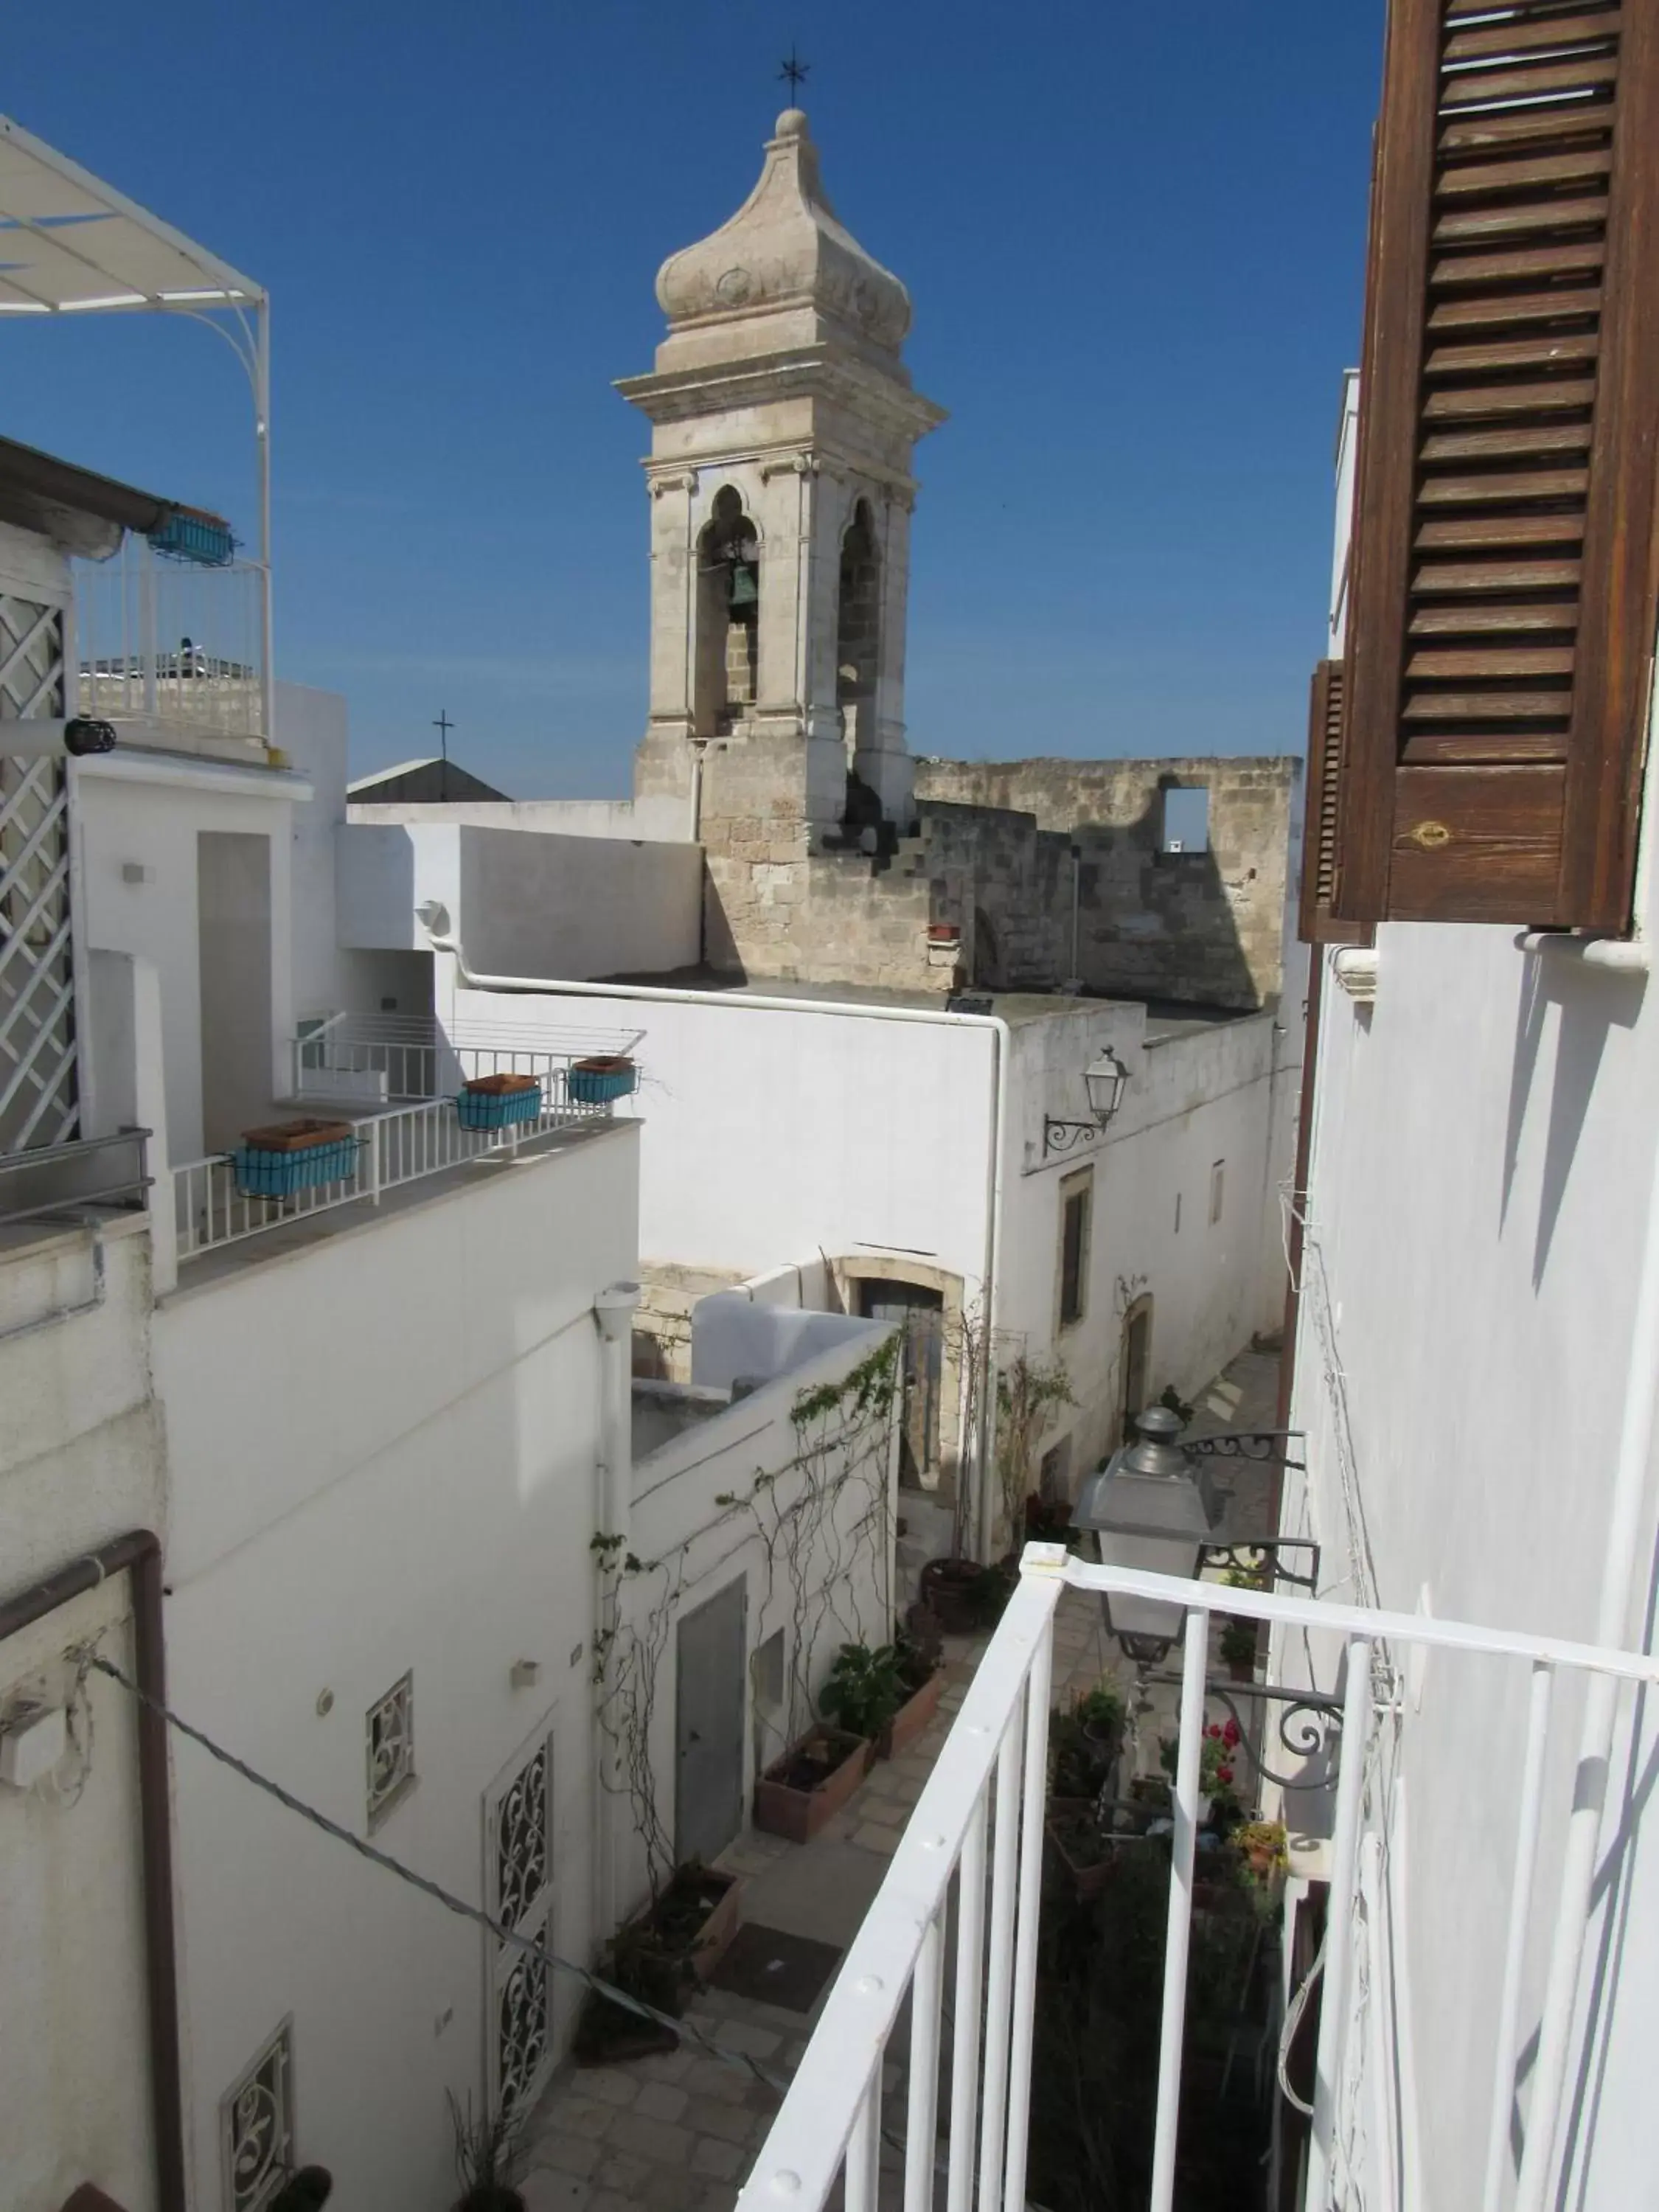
[
  {"x": 1629, "y": 1481},
  {"x": 436, "y": 923},
  {"x": 262, "y": 440},
  {"x": 613, "y": 1485}
]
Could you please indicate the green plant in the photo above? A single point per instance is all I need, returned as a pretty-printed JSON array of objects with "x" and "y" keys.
[
  {"x": 1215, "y": 1768},
  {"x": 1101, "y": 1710},
  {"x": 1028, "y": 1393},
  {"x": 488, "y": 2151},
  {"x": 1258, "y": 1577},
  {"x": 1238, "y": 1644},
  {"x": 919, "y": 1659},
  {"x": 1263, "y": 1839},
  {"x": 865, "y": 1688}
]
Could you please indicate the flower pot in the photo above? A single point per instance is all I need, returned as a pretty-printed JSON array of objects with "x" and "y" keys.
[
  {"x": 911, "y": 1718},
  {"x": 499, "y": 1101},
  {"x": 789, "y": 1802},
  {"x": 949, "y": 1591},
  {"x": 295, "y": 1156},
  {"x": 602, "y": 1077},
  {"x": 724, "y": 1920}
]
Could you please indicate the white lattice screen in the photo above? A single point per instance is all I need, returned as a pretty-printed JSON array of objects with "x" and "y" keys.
[{"x": 38, "y": 1093}]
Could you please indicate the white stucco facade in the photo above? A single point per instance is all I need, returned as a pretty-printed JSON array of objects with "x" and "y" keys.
[
  {"x": 382, "y": 1452},
  {"x": 1483, "y": 1149},
  {"x": 81, "y": 1464}
]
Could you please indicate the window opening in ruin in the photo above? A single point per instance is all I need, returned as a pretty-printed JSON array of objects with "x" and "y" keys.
[
  {"x": 1186, "y": 826},
  {"x": 858, "y": 638}
]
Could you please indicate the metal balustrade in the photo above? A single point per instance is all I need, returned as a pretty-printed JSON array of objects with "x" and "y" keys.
[
  {"x": 967, "y": 1874},
  {"x": 398, "y": 1147},
  {"x": 171, "y": 642},
  {"x": 375, "y": 1058}
]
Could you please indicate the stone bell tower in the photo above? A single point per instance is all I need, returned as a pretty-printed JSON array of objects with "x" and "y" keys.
[{"x": 783, "y": 426}]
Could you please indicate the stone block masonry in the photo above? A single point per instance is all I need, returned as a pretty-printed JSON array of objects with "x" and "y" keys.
[{"x": 1205, "y": 926}]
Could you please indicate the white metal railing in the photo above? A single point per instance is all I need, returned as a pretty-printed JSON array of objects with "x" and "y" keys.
[
  {"x": 970, "y": 1863},
  {"x": 209, "y": 1209},
  {"x": 373, "y": 1058},
  {"x": 171, "y": 642}
]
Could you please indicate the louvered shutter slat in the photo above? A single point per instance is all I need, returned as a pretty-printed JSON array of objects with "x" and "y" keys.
[{"x": 1503, "y": 566}]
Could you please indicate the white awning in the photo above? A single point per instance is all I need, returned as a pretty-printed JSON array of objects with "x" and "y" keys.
[{"x": 70, "y": 244}]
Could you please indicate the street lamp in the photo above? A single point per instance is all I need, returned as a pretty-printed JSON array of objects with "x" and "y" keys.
[
  {"x": 1104, "y": 1082},
  {"x": 1150, "y": 1509}
]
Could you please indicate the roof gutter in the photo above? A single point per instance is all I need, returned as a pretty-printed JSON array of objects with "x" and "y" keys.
[
  {"x": 139, "y": 1554},
  {"x": 436, "y": 920}
]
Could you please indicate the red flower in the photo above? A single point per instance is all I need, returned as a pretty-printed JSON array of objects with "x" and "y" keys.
[
  {"x": 1231, "y": 1732},
  {"x": 1224, "y": 1774},
  {"x": 1213, "y": 1729}
]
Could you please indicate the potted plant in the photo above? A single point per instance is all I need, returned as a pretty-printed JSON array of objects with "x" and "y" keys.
[
  {"x": 949, "y": 1591},
  {"x": 921, "y": 1680},
  {"x": 1238, "y": 1649},
  {"x": 1089, "y": 1844},
  {"x": 800, "y": 1792},
  {"x": 1215, "y": 1768},
  {"x": 294, "y": 1156},
  {"x": 1264, "y": 1846},
  {"x": 864, "y": 1690},
  {"x": 499, "y": 1101},
  {"x": 658, "y": 1956},
  {"x": 489, "y": 2153},
  {"x": 600, "y": 1077}
]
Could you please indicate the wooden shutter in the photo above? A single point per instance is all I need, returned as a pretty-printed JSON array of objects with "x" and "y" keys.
[
  {"x": 1315, "y": 923},
  {"x": 1503, "y": 565}
]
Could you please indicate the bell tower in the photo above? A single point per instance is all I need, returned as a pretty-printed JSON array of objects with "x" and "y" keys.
[{"x": 783, "y": 425}]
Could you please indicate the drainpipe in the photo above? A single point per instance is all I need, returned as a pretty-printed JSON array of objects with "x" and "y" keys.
[
  {"x": 435, "y": 919},
  {"x": 1294, "y": 1238},
  {"x": 139, "y": 1553},
  {"x": 613, "y": 1494},
  {"x": 1625, "y": 1517}
]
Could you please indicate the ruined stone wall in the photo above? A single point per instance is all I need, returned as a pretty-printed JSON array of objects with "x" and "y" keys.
[
  {"x": 662, "y": 1321},
  {"x": 1201, "y": 926}
]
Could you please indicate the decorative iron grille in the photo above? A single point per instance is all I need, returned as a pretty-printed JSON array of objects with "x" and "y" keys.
[
  {"x": 520, "y": 1844},
  {"x": 256, "y": 2126},
  {"x": 389, "y": 1731},
  {"x": 40, "y": 1102}
]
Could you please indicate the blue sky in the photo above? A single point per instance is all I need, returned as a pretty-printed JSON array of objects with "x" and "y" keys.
[{"x": 1133, "y": 237}]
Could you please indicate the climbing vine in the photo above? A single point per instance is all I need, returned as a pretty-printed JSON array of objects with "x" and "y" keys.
[
  {"x": 1029, "y": 1391},
  {"x": 816, "y": 1517}
]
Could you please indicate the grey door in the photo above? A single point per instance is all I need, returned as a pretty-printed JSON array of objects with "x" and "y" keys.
[
  {"x": 920, "y": 1313},
  {"x": 708, "y": 1723}
]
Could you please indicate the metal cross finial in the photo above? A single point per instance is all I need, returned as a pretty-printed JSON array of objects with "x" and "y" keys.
[
  {"x": 443, "y": 726},
  {"x": 794, "y": 74}
]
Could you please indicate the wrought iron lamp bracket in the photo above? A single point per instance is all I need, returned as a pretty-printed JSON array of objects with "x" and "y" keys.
[
  {"x": 1060, "y": 1136},
  {"x": 1248, "y": 1555},
  {"x": 1310, "y": 1726}
]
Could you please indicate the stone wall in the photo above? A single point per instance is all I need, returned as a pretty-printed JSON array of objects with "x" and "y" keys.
[
  {"x": 1206, "y": 927},
  {"x": 662, "y": 1319}
]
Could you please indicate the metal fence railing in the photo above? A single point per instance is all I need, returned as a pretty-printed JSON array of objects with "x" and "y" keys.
[
  {"x": 170, "y": 642},
  {"x": 211, "y": 1208},
  {"x": 373, "y": 1059},
  {"x": 967, "y": 1877},
  {"x": 57, "y": 1182}
]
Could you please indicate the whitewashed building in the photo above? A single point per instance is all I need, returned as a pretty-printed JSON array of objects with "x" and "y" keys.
[
  {"x": 324, "y": 1470},
  {"x": 1474, "y": 1907}
]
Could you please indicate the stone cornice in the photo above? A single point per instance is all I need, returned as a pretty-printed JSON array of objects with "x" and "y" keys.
[{"x": 819, "y": 372}]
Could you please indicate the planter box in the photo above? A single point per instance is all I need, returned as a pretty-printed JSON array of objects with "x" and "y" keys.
[
  {"x": 597, "y": 1080},
  {"x": 499, "y": 1101},
  {"x": 721, "y": 1925},
  {"x": 950, "y": 1590},
  {"x": 912, "y": 1717},
  {"x": 784, "y": 1808},
  {"x": 295, "y": 1156}
]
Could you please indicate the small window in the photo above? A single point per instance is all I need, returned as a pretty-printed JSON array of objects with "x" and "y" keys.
[
  {"x": 1186, "y": 819},
  {"x": 1217, "y": 1190},
  {"x": 390, "y": 1746},
  {"x": 256, "y": 2127},
  {"x": 1076, "y": 1195}
]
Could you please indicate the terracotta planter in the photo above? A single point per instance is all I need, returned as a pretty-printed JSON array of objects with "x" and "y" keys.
[
  {"x": 721, "y": 1925},
  {"x": 912, "y": 1717},
  {"x": 1087, "y": 1880},
  {"x": 784, "y": 1806},
  {"x": 950, "y": 1592}
]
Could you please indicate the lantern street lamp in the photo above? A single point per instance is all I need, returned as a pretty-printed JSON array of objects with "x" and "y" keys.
[
  {"x": 1150, "y": 1508},
  {"x": 1104, "y": 1081}
]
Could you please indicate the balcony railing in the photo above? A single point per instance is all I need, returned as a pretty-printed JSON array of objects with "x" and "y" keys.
[
  {"x": 171, "y": 643},
  {"x": 211, "y": 1210},
  {"x": 968, "y": 1875},
  {"x": 370, "y": 1059},
  {"x": 58, "y": 1181}
]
